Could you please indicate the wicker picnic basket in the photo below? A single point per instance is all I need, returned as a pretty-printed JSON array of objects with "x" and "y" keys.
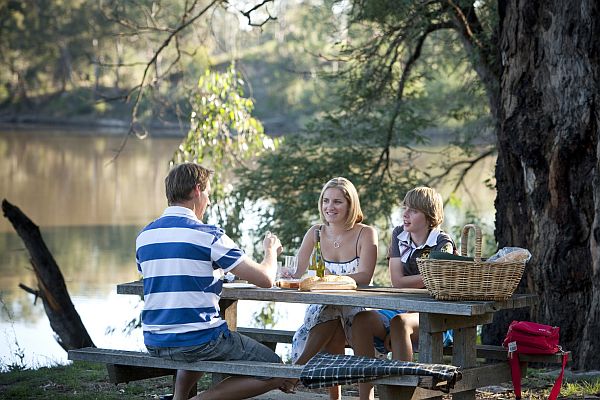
[{"x": 470, "y": 280}]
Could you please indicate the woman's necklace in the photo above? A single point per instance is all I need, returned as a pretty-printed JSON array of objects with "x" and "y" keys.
[{"x": 337, "y": 242}]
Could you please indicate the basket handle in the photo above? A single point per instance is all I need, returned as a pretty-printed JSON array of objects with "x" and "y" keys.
[{"x": 464, "y": 240}]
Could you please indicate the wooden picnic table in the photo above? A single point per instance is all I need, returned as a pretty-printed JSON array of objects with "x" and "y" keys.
[{"x": 435, "y": 317}]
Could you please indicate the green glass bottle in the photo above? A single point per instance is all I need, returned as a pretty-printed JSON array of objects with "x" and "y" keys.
[
  {"x": 320, "y": 263},
  {"x": 312, "y": 265}
]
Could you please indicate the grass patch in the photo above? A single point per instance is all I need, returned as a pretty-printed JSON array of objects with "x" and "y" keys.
[
  {"x": 538, "y": 383},
  {"x": 81, "y": 380},
  {"x": 581, "y": 388}
]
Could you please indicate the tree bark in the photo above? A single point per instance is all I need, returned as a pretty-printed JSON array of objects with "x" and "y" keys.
[
  {"x": 63, "y": 317},
  {"x": 548, "y": 171}
]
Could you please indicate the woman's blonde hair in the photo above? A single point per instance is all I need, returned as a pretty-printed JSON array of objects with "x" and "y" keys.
[
  {"x": 429, "y": 202},
  {"x": 355, "y": 214}
]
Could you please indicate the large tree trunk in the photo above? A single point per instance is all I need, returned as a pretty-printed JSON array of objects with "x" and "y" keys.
[
  {"x": 63, "y": 317},
  {"x": 548, "y": 171}
]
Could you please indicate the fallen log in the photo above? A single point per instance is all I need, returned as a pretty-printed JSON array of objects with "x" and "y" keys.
[{"x": 64, "y": 319}]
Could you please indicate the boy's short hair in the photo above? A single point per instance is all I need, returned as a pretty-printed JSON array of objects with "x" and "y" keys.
[
  {"x": 428, "y": 201},
  {"x": 355, "y": 214},
  {"x": 182, "y": 179}
]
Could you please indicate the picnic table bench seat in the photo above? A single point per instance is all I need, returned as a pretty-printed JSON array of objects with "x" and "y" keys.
[
  {"x": 124, "y": 366},
  {"x": 137, "y": 359},
  {"x": 270, "y": 338}
]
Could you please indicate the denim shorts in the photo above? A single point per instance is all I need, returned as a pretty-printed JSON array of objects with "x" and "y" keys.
[
  {"x": 387, "y": 315},
  {"x": 228, "y": 346}
]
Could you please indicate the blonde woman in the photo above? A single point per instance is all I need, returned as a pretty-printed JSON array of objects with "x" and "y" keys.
[
  {"x": 349, "y": 247},
  {"x": 419, "y": 234}
]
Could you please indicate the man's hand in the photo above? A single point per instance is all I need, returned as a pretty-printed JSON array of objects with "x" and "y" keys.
[
  {"x": 289, "y": 385},
  {"x": 272, "y": 242}
]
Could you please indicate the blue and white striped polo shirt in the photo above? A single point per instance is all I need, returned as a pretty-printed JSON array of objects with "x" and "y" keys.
[{"x": 182, "y": 261}]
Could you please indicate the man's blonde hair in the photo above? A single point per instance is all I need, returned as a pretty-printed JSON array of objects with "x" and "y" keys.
[
  {"x": 429, "y": 202},
  {"x": 355, "y": 214}
]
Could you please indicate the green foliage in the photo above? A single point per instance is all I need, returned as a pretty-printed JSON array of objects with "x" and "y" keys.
[
  {"x": 267, "y": 316},
  {"x": 488, "y": 245},
  {"x": 223, "y": 134},
  {"x": 290, "y": 180}
]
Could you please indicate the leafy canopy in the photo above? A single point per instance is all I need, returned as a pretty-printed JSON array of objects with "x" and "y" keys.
[{"x": 223, "y": 134}]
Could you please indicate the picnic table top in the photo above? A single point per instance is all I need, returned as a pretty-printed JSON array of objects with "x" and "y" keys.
[{"x": 417, "y": 300}]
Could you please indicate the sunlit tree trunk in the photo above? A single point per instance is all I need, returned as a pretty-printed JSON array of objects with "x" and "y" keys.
[
  {"x": 64, "y": 319},
  {"x": 548, "y": 172}
]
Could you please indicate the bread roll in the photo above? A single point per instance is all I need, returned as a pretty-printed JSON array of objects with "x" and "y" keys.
[
  {"x": 520, "y": 255},
  {"x": 288, "y": 283},
  {"x": 333, "y": 282}
]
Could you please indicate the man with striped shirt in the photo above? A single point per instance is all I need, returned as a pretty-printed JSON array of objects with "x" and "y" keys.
[{"x": 182, "y": 261}]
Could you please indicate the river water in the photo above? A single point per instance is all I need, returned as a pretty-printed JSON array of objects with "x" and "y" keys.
[{"x": 89, "y": 207}]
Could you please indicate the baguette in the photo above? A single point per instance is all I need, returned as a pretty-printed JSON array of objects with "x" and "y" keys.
[{"x": 331, "y": 282}]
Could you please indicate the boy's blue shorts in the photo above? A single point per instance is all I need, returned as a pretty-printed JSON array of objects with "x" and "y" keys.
[{"x": 386, "y": 317}]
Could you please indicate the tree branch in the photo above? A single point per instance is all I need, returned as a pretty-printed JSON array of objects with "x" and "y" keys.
[
  {"x": 185, "y": 23},
  {"x": 384, "y": 158},
  {"x": 484, "y": 57},
  {"x": 468, "y": 165},
  {"x": 256, "y": 7},
  {"x": 34, "y": 292}
]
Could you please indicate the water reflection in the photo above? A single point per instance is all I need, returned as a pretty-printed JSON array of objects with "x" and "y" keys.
[
  {"x": 89, "y": 209},
  {"x": 66, "y": 180}
]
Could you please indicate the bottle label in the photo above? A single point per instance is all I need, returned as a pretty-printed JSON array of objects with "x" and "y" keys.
[{"x": 311, "y": 272}]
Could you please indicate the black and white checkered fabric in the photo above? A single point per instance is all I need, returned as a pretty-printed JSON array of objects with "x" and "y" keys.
[{"x": 325, "y": 370}]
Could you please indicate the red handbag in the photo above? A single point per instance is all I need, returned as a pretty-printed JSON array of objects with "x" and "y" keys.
[{"x": 525, "y": 337}]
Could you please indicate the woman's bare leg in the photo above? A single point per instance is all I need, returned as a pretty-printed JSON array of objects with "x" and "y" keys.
[
  {"x": 327, "y": 336},
  {"x": 404, "y": 331},
  {"x": 336, "y": 345},
  {"x": 318, "y": 338},
  {"x": 365, "y": 326}
]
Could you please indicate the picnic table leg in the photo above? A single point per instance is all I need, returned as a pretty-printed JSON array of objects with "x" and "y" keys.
[
  {"x": 389, "y": 392},
  {"x": 229, "y": 312},
  {"x": 431, "y": 344},
  {"x": 465, "y": 355}
]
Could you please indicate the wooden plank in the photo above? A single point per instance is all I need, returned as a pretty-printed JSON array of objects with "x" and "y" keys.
[
  {"x": 430, "y": 343},
  {"x": 484, "y": 351},
  {"x": 443, "y": 322},
  {"x": 229, "y": 312},
  {"x": 486, "y": 375},
  {"x": 122, "y": 358},
  {"x": 472, "y": 378},
  {"x": 268, "y": 335},
  {"x": 127, "y": 373},
  {"x": 393, "y": 290},
  {"x": 139, "y": 359},
  {"x": 465, "y": 355},
  {"x": 383, "y": 300}
]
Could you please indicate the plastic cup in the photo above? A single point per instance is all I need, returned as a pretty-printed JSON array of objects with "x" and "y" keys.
[{"x": 287, "y": 270}]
